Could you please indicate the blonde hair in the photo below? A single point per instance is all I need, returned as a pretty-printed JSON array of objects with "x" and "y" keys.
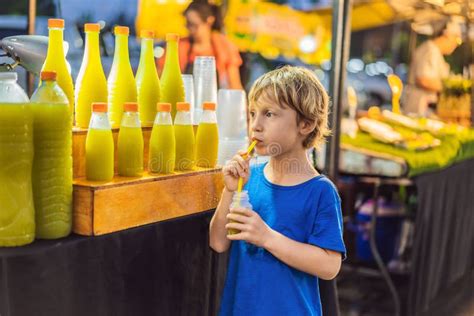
[{"x": 299, "y": 89}]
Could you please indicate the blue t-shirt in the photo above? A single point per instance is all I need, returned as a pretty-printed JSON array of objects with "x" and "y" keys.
[{"x": 258, "y": 283}]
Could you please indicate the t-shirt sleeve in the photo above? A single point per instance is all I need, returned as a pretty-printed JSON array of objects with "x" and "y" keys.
[{"x": 327, "y": 227}]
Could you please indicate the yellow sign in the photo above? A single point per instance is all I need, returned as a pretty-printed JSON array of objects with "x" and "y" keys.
[
  {"x": 273, "y": 30},
  {"x": 162, "y": 16}
]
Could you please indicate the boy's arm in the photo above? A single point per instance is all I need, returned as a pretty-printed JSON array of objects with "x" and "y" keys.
[
  {"x": 234, "y": 169},
  {"x": 217, "y": 231},
  {"x": 324, "y": 264}
]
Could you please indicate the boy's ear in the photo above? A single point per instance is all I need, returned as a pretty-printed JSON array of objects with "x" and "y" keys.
[{"x": 306, "y": 127}]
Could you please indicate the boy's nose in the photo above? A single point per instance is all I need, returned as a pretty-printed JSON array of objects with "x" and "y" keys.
[{"x": 255, "y": 125}]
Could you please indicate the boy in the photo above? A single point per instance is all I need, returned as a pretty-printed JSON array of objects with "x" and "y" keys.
[{"x": 293, "y": 235}]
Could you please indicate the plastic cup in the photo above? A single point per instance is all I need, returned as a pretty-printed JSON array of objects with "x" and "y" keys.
[{"x": 205, "y": 83}]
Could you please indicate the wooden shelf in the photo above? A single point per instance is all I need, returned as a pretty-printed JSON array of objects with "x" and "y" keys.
[{"x": 106, "y": 207}]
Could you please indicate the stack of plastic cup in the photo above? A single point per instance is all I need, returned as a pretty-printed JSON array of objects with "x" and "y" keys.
[
  {"x": 205, "y": 84},
  {"x": 188, "y": 83},
  {"x": 232, "y": 123}
]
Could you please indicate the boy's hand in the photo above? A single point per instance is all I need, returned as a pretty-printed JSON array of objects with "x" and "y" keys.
[
  {"x": 235, "y": 168},
  {"x": 251, "y": 226}
]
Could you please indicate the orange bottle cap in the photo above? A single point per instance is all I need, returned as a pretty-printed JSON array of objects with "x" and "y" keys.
[
  {"x": 99, "y": 107},
  {"x": 59, "y": 23},
  {"x": 183, "y": 106},
  {"x": 130, "y": 107},
  {"x": 164, "y": 107},
  {"x": 121, "y": 30},
  {"x": 92, "y": 27},
  {"x": 48, "y": 75},
  {"x": 147, "y": 34},
  {"x": 172, "y": 37},
  {"x": 210, "y": 106}
]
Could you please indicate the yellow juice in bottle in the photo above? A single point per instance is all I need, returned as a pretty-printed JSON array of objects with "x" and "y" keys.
[
  {"x": 17, "y": 214},
  {"x": 91, "y": 84},
  {"x": 162, "y": 152},
  {"x": 130, "y": 143},
  {"x": 172, "y": 86},
  {"x": 17, "y": 219},
  {"x": 185, "y": 140},
  {"x": 148, "y": 83},
  {"x": 52, "y": 164},
  {"x": 207, "y": 138},
  {"x": 56, "y": 61},
  {"x": 121, "y": 82},
  {"x": 99, "y": 146}
]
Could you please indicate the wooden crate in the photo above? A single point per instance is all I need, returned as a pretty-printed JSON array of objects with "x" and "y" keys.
[{"x": 101, "y": 208}]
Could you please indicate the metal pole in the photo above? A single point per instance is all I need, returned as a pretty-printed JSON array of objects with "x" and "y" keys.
[
  {"x": 341, "y": 29},
  {"x": 31, "y": 31}
]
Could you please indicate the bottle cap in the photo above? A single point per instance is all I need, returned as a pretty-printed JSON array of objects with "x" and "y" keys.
[
  {"x": 48, "y": 75},
  {"x": 183, "y": 106},
  {"x": 210, "y": 106},
  {"x": 92, "y": 27},
  {"x": 130, "y": 107},
  {"x": 164, "y": 107},
  {"x": 172, "y": 37},
  {"x": 121, "y": 30},
  {"x": 99, "y": 107},
  {"x": 59, "y": 23},
  {"x": 147, "y": 34}
]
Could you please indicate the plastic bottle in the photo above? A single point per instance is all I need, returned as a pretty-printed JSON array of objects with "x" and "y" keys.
[
  {"x": 162, "y": 153},
  {"x": 148, "y": 83},
  {"x": 17, "y": 215},
  {"x": 172, "y": 87},
  {"x": 239, "y": 200},
  {"x": 185, "y": 140},
  {"x": 130, "y": 143},
  {"x": 207, "y": 138},
  {"x": 99, "y": 145},
  {"x": 121, "y": 82},
  {"x": 91, "y": 84},
  {"x": 52, "y": 163},
  {"x": 56, "y": 60}
]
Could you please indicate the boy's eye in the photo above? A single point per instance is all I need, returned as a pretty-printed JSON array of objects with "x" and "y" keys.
[
  {"x": 252, "y": 113},
  {"x": 269, "y": 114}
]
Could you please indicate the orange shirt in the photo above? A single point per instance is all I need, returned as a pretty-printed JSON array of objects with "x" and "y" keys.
[{"x": 225, "y": 52}]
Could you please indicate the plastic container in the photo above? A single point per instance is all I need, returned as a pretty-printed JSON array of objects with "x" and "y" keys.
[
  {"x": 207, "y": 138},
  {"x": 52, "y": 164},
  {"x": 162, "y": 153},
  {"x": 232, "y": 114},
  {"x": 188, "y": 82},
  {"x": 229, "y": 147},
  {"x": 389, "y": 220},
  {"x": 205, "y": 84},
  {"x": 185, "y": 140},
  {"x": 172, "y": 87},
  {"x": 56, "y": 60},
  {"x": 121, "y": 82},
  {"x": 91, "y": 84},
  {"x": 130, "y": 143},
  {"x": 148, "y": 83},
  {"x": 240, "y": 200},
  {"x": 17, "y": 216},
  {"x": 99, "y": 146}
]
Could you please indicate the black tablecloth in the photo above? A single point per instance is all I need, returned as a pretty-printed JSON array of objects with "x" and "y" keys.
[
  {"x": 444, "y": 239},
  {"x": 165, "y": 268}
]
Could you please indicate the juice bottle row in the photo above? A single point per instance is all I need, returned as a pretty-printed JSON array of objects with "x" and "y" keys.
[
  {"x": 172, "y": 146},
  {"x": 121, "y": 86}
]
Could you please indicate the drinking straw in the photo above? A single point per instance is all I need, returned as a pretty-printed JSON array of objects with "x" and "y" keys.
[{"x": 241, "y": 180}]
